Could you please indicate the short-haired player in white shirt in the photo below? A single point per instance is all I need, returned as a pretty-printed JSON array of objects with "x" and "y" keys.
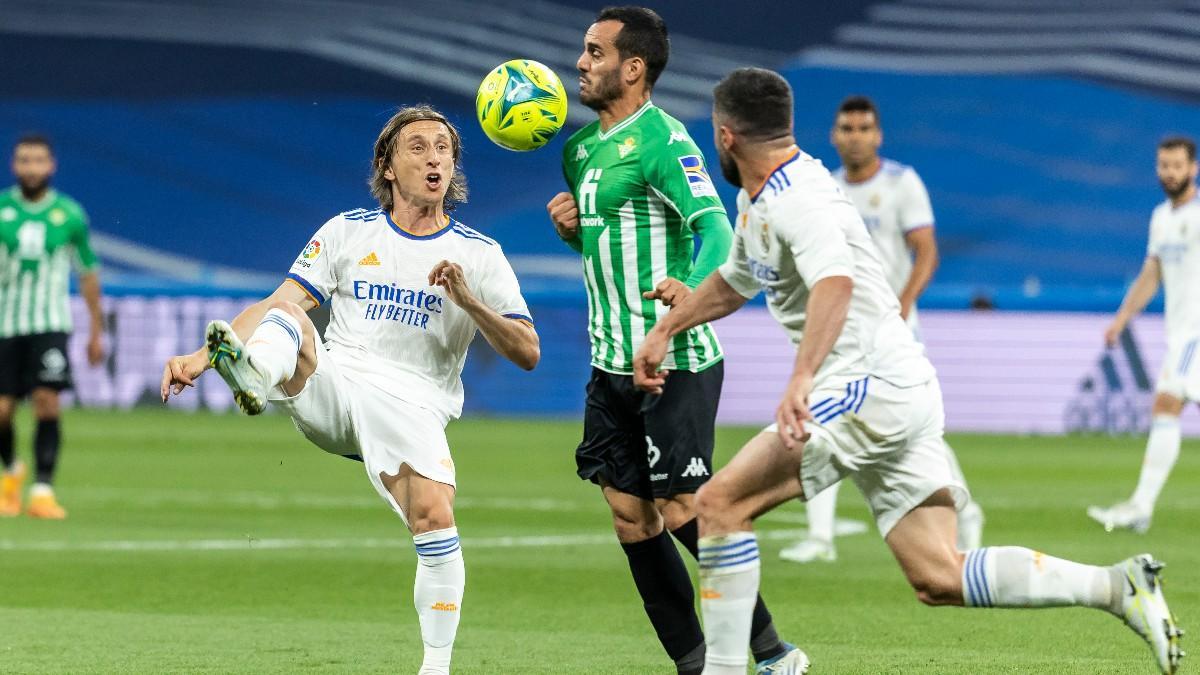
[
  {"x": 894, "y": 205},
  {"x": 863, "y": 403},
  {"x": 408, "y": 288},
  {"x": 1172, "y": 258}
]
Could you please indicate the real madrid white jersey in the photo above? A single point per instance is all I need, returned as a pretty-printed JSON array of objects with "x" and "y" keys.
[
  {"x": 388, "y": 326},
  {"x": 892, "y": 203},
  {"x": 798, "y": 229},
  {"x": 1175, "y": 241}
]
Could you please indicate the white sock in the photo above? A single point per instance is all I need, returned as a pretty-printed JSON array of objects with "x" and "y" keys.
[
  {"x": 41, "y": 490},
  {"x": 1162, "y": 449},
  {"x": 437, "y": 594},
  {"x": 729, "y": 573},
  {"x": 1013, "y": 576},
  {"x": 822, "y": 511},
  {"x": 274, "y": 345}
]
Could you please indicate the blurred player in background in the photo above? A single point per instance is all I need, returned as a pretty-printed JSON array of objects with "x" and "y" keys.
[
  {"x": 42, "y": 231},
  {"x": 1172, "y": 258},
  {"x": 408, "y": 288},
  {"x": 863, "y": 402},
  {"x": 639, "y": 195},
  {"x": 895, "y": 207}
]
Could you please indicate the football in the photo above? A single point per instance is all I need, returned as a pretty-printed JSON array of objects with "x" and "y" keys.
[{"x": 521, "y": 105}]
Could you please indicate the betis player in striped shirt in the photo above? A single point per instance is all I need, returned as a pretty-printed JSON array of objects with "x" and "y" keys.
[
  {"x": 639, "y": 198},
  {"x": 41, "y": 233}
]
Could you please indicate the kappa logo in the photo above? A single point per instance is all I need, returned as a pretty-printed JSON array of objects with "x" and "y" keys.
[
  {"x": 8, "y": 214},
  {"x": 581, "y": 153},
  {"x": 370, "y": 259},
  {"x": 695, "y": 468},
  {"x": 677, "y": 136}
]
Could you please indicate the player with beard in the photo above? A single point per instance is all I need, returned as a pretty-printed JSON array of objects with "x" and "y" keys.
[
  {"x": 639, "y": 197},
  {"x": 862, "y": 403},
  {"x": 1172, "y": 258},
  {"x": 42, "y": 231}
]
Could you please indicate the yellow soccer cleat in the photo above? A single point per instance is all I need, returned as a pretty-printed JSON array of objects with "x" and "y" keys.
[
  {"x": 10, "y": 490},
  {"x": 42, "y": 504}
]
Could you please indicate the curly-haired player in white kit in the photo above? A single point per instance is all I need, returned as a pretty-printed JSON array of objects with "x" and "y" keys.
[
  {"x": 863, "y": 403},
  {"x": 408, "y": 288}
]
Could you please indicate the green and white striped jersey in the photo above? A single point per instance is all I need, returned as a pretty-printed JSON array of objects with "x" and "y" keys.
[
  {"x": 639, "y": 186},
  {"x": 36, "y": 243}
]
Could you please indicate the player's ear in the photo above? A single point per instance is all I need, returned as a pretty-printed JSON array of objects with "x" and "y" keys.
[
  {"x": 635, "y": 69},
  {"x": 388, "y": 173},
  {"x": 726, "y": 135}
]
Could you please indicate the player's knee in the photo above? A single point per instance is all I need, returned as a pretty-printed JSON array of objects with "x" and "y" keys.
[
  {"x": 713, "y": 500},
  {"x": 45, "y": 404},
  {"x": 636, "y": 526},
  {"x": 431, "y": 521},
  {"x": 1166, "y": 404},
  {"x": 291, "y": 308},
  {"x": 937, "y": 587}
]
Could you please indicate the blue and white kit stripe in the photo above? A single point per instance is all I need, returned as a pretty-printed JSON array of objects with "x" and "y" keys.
[
  {"x": 977, "y": 591},
  {"x": 830, "y": 408},
  {"x": 439, "y": 548},
  {"x": 287, "y": 328},
  {"x": 729, "y": 557}
]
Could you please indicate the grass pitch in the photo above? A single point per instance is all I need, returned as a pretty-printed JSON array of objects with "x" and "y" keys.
[{"x": 202, "y": 543}]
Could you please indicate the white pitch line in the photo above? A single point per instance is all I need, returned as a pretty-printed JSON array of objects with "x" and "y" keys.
[{"x": 252, "y": 544}]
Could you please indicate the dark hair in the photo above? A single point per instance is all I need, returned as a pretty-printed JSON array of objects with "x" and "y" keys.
[
  {"x": 643, "y": 34},
  {"x": 34, "y": 139},
  {"x": 859, "y": 104},
  {"x": 381, "y": 187},
  {"x": 1172, "y": 142},
  {"x": 757, "y": 102}
]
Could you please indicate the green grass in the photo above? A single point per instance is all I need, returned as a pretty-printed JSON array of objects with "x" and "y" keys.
[{"x": 72, "y": 601}]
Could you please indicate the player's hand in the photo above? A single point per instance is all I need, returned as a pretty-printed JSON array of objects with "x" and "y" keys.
[
  {"x": 182, "y": 371},
  {"x": 95, "y": 350},
  {"x": 1112, "y": 334},
  {"x": 646, "y": 362},
  {"x": 451, "y": 277},
  {"x": 564, "y": 213},
  {"x": 793, "y": 412},
  {"x": 905, "y": 308},
  {"x": 670, "y": 291}
]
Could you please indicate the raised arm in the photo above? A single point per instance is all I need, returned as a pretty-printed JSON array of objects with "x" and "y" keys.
[
  {"x": 512, "y": 337},
  {"x": 1140, "y": 293}
]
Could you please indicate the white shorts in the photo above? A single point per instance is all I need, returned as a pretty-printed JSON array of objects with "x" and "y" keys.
[
  {"x": 355, "y": 419},
  {"x": 887, "y": 439},
  {"x": 1180, "y": 376}
]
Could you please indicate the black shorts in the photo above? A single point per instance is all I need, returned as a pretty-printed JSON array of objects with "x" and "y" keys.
[
  {"x": 29, "y": 361},
  {"x": 650, "y": 445}
]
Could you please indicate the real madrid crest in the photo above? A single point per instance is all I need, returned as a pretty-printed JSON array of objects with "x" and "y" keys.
[
  {"x": 766, "y": 238},
  {"x": 874, "y": 201}
]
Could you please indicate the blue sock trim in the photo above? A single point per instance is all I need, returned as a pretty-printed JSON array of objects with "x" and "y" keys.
[
  {"x": 287, "y": 328},
  {"x": 728, "y": 555},
  {"x": 975, "y": 584}
]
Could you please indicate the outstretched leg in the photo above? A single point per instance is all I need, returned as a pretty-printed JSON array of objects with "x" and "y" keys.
[
  {"x": 923, "y": 542},
  {"x": 282, "y": 350}
]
